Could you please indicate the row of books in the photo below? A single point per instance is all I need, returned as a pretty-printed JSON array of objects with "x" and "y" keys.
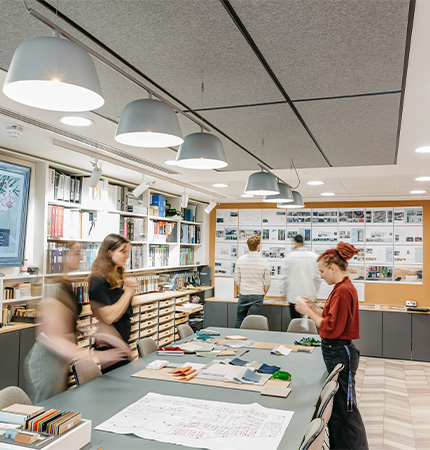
[
  {"x": 55, "y": 256},
  {"x": 158, "y": 255},
  {"x": 81, "y": 291},
  {"x": 187, "y": 256},
  {"x": 64, "y": 187},
  {"x": 132, "y": 228},
  {"x": 159, "y": 227},
  {"x": 147, "y": 283},
  {"x": 190, "y": 234},
  {"x": 137, "y": 257},
  {"x": 17, "y": 292},
  {"x": 189, "y": 214}
]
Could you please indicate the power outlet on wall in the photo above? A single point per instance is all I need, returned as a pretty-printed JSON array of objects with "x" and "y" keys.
[{"x": 411, "y": 303}]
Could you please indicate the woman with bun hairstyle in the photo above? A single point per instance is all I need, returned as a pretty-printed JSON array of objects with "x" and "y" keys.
[{"x": 339, "y": 325}]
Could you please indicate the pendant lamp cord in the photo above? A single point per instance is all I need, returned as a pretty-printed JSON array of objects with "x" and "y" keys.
[{"x": 298, "y": 178}]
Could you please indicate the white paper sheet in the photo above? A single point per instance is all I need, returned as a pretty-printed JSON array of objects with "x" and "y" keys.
[{"x": 201, "y": 423}]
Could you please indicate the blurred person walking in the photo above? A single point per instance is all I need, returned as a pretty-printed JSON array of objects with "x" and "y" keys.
[
  {"x": 47, "y": 365},
  {"x": 110, "y": 293},
  {"x": 339, "y": 324},
  {"x": 300, "y": 275},
  {"x": 252, "y": 277}
]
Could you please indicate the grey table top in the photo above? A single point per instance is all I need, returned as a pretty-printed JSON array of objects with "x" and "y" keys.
[{"x": 105, "y": 396}]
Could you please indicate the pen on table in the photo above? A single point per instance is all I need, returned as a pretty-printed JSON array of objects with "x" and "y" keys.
[{"x": 244, "y": 353}]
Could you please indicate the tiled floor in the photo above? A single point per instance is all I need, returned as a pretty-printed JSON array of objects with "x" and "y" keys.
[{"x": 394, "y": 401}]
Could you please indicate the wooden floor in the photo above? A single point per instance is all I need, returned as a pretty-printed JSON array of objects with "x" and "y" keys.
[{"x": 394, "y": 401}]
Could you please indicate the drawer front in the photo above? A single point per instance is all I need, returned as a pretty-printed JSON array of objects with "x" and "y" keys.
[
  {"x": 165, "y": 311},
  {"x": 148, "y": 323},
  {"x": 166, "y": 318},
  {"x": 165, "y": 326},
  {"x": 149, "y": 315}
]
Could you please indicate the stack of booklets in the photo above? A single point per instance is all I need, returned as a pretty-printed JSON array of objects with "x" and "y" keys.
[
  {"x": 170, "y": 351},
  {"x": 35, "y": 418}
]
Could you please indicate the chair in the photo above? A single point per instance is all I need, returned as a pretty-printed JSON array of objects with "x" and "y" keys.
[
  {"x": 326, "y": 404},
  {"x": 314, "y": 436},
  {"x": 85, "y": 370},
  {"x": 11, "y": 395},
  {"x": 255, "y": 322},
  {"x": 184, "y": 330},
  {"x": 332, "y": 376},
  {"x": 295, "y": 326},
  {"x": 146, "y": 346}
]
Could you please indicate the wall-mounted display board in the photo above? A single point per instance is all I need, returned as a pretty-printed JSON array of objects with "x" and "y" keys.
[{"x": 390, "y": 240}]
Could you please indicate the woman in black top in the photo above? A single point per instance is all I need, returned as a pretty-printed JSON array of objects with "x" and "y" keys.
[{"x": 111, "y": 294}]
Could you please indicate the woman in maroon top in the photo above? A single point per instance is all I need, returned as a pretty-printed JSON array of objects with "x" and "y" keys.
[{"x": 339, "y": 324}]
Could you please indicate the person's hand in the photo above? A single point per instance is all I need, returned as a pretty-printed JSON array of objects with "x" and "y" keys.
[
  {"x": 109, "y": 357},
  {"x": 303, "y": 307},
  {"x": 130, "y": 284}
]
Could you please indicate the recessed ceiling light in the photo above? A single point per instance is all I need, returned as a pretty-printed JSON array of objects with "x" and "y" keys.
[
  {"x": 220, "y": 185},
  {"x": 328, "y": 194},
  {"x": 170, "y": 162},
  {"x": 425, "y": 149},
  {"x": 422, "y": 179},
  {"x": 417, "y": 191},
  {"x": 76, "y": 121},
  {"x": 315, "y": 183},
  {"x": 247, "y": 195}
]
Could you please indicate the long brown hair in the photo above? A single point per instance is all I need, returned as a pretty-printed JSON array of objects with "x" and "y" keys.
[
  {"x": 104, "y": 264},
  {"x": 338, "y": 255}
]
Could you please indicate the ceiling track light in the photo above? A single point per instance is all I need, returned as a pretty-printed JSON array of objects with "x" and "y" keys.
[
  {"x": 184, "y": 199},
  {"x": 139, "y": 190},
  {"x": 95, "y": 174},
  {"x": 210, "y": 207}
]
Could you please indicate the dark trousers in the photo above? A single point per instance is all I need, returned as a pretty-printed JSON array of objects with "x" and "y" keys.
[
  {"x": 346, "y": 429},
  {"x": 248, "y": 303},
  {"x": 293, "y": 313}
]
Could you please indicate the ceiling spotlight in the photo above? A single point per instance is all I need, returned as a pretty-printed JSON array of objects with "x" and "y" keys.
[
  {"x": 170, "y": 162},
  {"x": 95, "y": 174},
  {"x": 76, "y": 121},
  {"x": 425, "y": 149},
  {"x": 14, "y": 130},
  {"x": 220, "y": 185},
  {"x": 210, "y": 207},
  {"x": 55, "y": 74},
  {"x": 247, "y": 196},
  {"x": 315, "y": 183},
  {"x": 184, "y": 200},
  {"x": 327, "y": 194},
  {"x": 422, "y": 179},
  {"x": 139, "y": 190},
  {"x": 148, "y": 123},
  {"x": 417, "y": 191}
]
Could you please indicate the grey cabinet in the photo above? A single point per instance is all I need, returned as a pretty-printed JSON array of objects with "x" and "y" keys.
[
  {"x": 27, "y": 338},
  {"x": 370, "y": 342},
  {"x": 9, "y": 354},
  {"x": 420, "y": 337},
  {"x": 231, "y": 314},
  {"x": 215, "y": 314},
  {"x": 274, "y": 316},
  {"x": 396, "y": 335},
  {"x": 285, "y": 317}
]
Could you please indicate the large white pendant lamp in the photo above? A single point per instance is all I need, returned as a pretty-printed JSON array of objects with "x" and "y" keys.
[
  {"x": 285, "y": 195},
  {"x": 296, "y": 204},
  {"x": 201, "y": 151},
  {"x": 55, "y": 74},
  {"x": 148, "y": 123},
  {"x": 262, "y": 183}
]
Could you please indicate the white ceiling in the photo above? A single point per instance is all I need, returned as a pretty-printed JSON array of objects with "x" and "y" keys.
[{"x": 319, "y": 51}]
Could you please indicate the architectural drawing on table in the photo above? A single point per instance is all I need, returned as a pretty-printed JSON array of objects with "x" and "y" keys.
[{"x": 201, "y": 423}]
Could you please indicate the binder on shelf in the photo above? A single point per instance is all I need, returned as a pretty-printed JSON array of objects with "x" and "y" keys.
[
  {"x": 51, "y": 184},
  {"x": 66, "y": 194}
]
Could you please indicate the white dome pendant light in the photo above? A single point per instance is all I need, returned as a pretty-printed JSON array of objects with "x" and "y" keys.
[
  {"x": 55, "y": 74},
  {"x": 262, "y": 183}
]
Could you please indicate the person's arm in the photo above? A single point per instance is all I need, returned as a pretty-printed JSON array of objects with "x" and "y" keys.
[
  {"x": 237, "y": 275},
  {"x": 266, "y": 278},
  {"x": 112, "y": 313}
]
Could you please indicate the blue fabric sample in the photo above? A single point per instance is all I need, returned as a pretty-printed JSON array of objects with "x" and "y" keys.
[
  {"x": 249, "y": 375},
  {"x": 265, "y": 368},
  {"x": 238, "y": 362}
]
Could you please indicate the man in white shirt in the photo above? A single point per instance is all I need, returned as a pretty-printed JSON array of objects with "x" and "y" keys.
[
  {"x": 300, "y": 275},
  {"x": 252, "y": 276}
]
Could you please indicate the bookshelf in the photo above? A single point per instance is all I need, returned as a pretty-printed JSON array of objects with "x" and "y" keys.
[{"x": 66, "y": 209}]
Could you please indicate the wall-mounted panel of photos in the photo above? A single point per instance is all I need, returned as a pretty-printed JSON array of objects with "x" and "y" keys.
[{"x": 390, "y": 240}]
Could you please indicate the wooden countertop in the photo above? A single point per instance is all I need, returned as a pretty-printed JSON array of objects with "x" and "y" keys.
[
  {"x": 141, "y": 299},
  {"x": 17, "y": 326}
]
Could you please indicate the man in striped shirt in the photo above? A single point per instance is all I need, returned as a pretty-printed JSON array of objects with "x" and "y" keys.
[{"x": 252, "y": 276}]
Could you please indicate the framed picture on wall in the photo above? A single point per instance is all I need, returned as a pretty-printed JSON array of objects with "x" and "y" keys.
[{"x": 14, "y": 189}]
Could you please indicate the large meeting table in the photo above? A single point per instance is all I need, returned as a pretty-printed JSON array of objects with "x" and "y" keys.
[{"x": 105, "y": 396}]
